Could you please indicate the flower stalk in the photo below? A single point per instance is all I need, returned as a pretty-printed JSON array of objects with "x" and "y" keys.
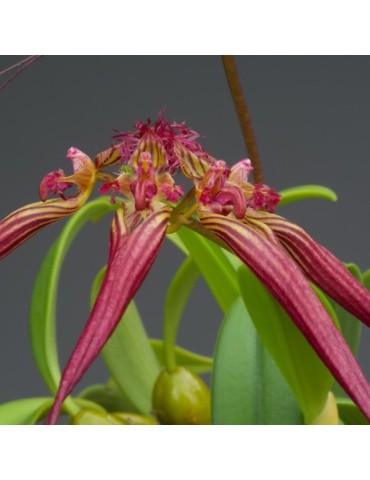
[{"x": 245, "y": 121}]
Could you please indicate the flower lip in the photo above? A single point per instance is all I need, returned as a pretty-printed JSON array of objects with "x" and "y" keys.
[
  {"x": 264, "y": 197},
  {"x": 52, "y": 183},
  {"x": 84, "y": 175}
]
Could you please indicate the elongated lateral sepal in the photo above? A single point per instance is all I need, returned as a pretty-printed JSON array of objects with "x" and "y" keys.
[
  {"x": 22, "y": 224},
  {"x": 322, "y": 267},
  {"x": 131, "y": 256},
  {"x": 278, "y": 272}
]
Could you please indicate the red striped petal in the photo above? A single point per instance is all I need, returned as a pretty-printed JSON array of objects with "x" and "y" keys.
[
  {"x": 20, "y": 225},
  {"x": 285, "y": 280},
  {"x": 131, "y": 256},
  {"x": 322, "y": 267}
]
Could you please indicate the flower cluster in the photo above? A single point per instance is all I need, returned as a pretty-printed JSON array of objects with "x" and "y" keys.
[{"x": 225, "y": 205}]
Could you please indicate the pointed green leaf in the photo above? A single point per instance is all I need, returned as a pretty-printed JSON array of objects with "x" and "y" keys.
[
  {"x": 366, "y": 279},
  {"x": 213, "y": 265},
  {"x": 247, "y": 386},
  {"x": 326, "y": 304},
  {"x": 351, "y": 327},
  {"x": 306, "y": 374},
  {"x": 349, "y": 412},
  {"x": 304, "y": 192},
  {"x": 129, "y": 357},
  {"x": 176, "y": 240},
  {"x": 27, "y": 411},
  {"x": 43, "y": 306},
  {"x": 178, "y": 293},
  {"x": 185, "y": 358}
]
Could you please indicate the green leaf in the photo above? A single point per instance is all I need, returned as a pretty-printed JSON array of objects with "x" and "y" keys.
[
  {"x": 247, "y": 386},
  {"x": 306, "y": 374},
  {"x": 213, "y": 265},
  {"x": 351, "y": 327},
  {"x": 176, "y": 240},
  {"x": 366, "y": 279},
  {"x": 43, "y": 305},
  {"x": 326, "y": 304},
  {"x": 109, "y": 397},
  {"x": 178, "y": 293},
  {"x": 185, "y": 358},
  {"x": 129, "y": 357},
  {"x": 27, "y": 411},
  {"x": 349, "y": 412},
  {"x": 304, "y": 192}
]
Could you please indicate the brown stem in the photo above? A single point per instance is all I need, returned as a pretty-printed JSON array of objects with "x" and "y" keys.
[{"x": 245, "y": 121}]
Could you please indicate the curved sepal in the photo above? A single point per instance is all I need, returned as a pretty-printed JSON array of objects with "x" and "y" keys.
[
  {"x": 276, "y": 270},
  {"x": 22, "y": 224},
  {"x": 322, "y": 267},
  {"x": 131, "y": 256}
]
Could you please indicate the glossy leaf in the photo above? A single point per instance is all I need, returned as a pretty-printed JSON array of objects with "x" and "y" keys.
[
  {"x": 305, "y": 192},
  {"x": 27, "y": 411},
  {"x": 176, "y": 240},
  {"x": 351, "y": 327},
  {"x": 213, "y": 265},
  {"x": 247, "y": 386},
  {"x": 306, "y": 374},
  {"x": 349, "y": 324},
  {"x": 185, "y": 358},
  {"x": 43, "y": 306},
  {"x": 366, "y": 279},
  {"x": 349, "y": 412},
  {"x": 326, "y": 304},
  {"x": 177, "y": 296},
  {"x": 129, "y": 357}
]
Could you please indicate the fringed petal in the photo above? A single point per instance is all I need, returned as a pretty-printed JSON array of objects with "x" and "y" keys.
[
  {"x": 285, "y": 280},
  {"x": 131, "y": 256}
]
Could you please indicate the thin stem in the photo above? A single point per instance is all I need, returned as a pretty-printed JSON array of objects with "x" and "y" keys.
[
  {"x": 245, "y": 121},
  {"x": 18, "y": 68},
  {"x": 183, "y": 205}
]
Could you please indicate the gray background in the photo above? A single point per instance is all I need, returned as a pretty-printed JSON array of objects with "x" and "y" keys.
[{"x": 311, "y": 117}]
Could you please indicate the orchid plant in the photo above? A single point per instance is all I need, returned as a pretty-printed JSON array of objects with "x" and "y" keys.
[{"x": 286, "y": 348}]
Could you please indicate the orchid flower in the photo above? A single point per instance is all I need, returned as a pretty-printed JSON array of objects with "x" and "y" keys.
[
  {"x": 20, "y": 225},
  {"x": 224, "y": 206}
]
